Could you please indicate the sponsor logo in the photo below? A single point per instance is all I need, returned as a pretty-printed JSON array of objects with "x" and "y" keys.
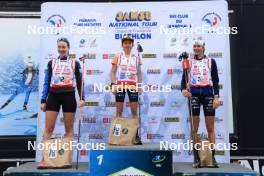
[
  {"x": 219, "y": 136},
  {"x": 96, "y": 136},
  {"x": 220, "y": 152},
  {"x": 153, "y": 120},
  {"x": 92, "y": 103},
  {"x": 117, "y": 130},
  {"x": 178, "y": 136},
  {"x": 211, "y": 19},
  {"x": 154, "y": 136},
  {"x": 83, "y": 152},
  {"x": 218, "y": 119},
  {"x": 185, "y": 41},
  {"x": 124, "y": 131},
  {"x": 87, "y": 22},
  {"x": 175, "y": 104},
  {"x": 175, "y": 86},
  {"x": 173, "y": 41},
  {"x": 110, "y": 104},
  {"x": 89, "y": 56},
  {"x": 108, "y": 56},
  {"x": 72, "y": 56},
  {"x": 133, "y": 16},
  {"x": 170, "y": 56},
  {"x": 88, "y": 43},
  {"x": 157, "y": 103},
  {"x": 89, "y": 120},
  {"x": 106, "y": 120},
  {"x": 215, "y": 55},
  {"x": 171, "y": 119},
  {"x": 158, "y": 158},
  {"x": 153, "y": 71},
  {"x": 94, "y": 72},
  {"x": 149, "y": 55},
  {"x": 172, "y": 71},
  {"x": 56, "y": 21},
  {"x": 61, "y": 151}
]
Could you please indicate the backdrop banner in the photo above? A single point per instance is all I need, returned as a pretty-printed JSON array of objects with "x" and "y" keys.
[{"x": 95, "y": 30}]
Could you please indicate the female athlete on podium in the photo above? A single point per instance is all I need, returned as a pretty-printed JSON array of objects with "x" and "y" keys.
[
  {"x": 203, "y": 89},
  {"x": 62, "y": 76}
]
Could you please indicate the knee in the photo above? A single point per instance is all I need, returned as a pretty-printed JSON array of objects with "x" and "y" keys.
[
  {"x": 134, "y": 112},
  {"x": 119, "y": 109}
]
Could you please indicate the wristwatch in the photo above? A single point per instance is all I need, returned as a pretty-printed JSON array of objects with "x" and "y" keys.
[{"x": 216, "y": 96}]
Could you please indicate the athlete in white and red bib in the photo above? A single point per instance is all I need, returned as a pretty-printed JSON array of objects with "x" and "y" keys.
[
  {"x": 62, "y": 77},
  {"x": 203, "y": 89},
  {"x": 126, "y": 74}
]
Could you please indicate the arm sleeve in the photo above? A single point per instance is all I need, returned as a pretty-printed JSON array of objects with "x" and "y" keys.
[
  {"x": 78, "y": 76},
  {"x": 215, "y": 78},
  {"x": 46, "y": 84},
  {"x": 183, "y": 81}
]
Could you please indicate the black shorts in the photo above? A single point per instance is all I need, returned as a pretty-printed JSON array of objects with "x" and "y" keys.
[
  {"x": 207, "y": 101},
  {"x": 66, "y": 100},
  {"x": 120, "y": 96}
]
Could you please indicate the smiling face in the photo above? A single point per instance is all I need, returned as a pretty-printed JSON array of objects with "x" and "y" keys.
[
  {"x": 127, "y": 45},
  {"x": 63, "y": 48},
  {"x": 198, "y": 49}
]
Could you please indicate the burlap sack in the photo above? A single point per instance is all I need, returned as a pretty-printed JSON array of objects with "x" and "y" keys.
[
  {"x": 123, "y": 131},
  {"x": 205, "y": 154},
  {"x": 57, "y": 153}
]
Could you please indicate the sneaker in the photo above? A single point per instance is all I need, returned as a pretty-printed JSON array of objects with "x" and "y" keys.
[{"x": 41, "y": 165}]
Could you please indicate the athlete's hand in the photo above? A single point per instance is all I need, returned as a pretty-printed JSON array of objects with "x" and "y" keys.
[
  {"x": 216, "y": 102},
  {"x": 186, "y": 93},
  {"x": 43, "y": 107},
  {"x": 82, "y": 103}
]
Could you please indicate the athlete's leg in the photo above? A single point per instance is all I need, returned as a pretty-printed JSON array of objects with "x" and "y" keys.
[
  {"x": 52, "y": 111},
  {"x": 68, "y": 123},
  {"x": 195, "y": 121},
  {"x": 133, "y": 101},
  {"x": 209, "y": 113},
  {"x": 209, "y": 121},
  {"x": 69, "y": 106},
  {"x": 50, "y": 121},
  {"x": 120, "y": 98}
]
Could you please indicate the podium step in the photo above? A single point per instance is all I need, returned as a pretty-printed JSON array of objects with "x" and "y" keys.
[
  {"x": 29, "y": 169},
  {"x": 224, "y": 170}
]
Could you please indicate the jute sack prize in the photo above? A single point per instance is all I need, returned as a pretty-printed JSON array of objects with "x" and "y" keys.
[
  {"x": 123, "y": 131},
  {"x": 57, "y": 153}
]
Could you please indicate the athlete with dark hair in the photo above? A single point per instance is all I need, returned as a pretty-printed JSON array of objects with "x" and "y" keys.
[{"x": 61, "y": 77}]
